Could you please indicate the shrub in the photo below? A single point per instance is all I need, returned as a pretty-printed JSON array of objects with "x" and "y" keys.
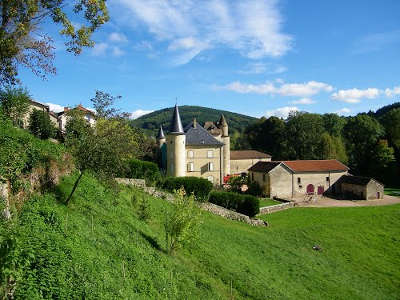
[
  {"x": 144, "y": 211},
  {"x": 182, "y": 223},
  {"x": 254, "y": 189},
  {"x": 245, "y": 204},
  {"x": 40, "y": 125},
  {"x": 200, "y": 187},
  {"x": 144, "y": 170}
]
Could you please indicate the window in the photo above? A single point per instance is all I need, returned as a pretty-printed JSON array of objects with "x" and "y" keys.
[
  {"x": 252, "y": 176},
  {"x": 264, "y": 177},
  {"x": 190, "y": 167},
  {"x": 209, "y": 154},
  {"x": 210, "y": 179},
  {"x": 210, "y": 166},
  {"x": 327, "y": 179},
  {"x": 190, "y": 154},
  {"x": 298, "y": 180}
]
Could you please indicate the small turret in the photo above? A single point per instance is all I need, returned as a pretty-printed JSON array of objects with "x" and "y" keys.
[
  {"x": 176, "y": 151},
  {"x": 222, "y": 124},
  {"x": 160, "y": 137}
]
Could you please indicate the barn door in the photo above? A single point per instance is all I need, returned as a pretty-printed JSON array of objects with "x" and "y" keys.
[
  {"x": 321, "y": 190},
  {"x": 310, "y": 189}
]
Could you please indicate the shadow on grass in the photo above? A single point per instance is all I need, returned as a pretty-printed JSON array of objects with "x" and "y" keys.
[{"x": 152, "y": 242}]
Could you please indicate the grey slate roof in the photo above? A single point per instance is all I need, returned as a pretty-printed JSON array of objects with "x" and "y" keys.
[
  {"x": 358, "y": 180},
  {"x": 176, "y": 124},
  {"x": 199, "y": 136},
  {"x": 160, "y": 134},
  {"x": 264, "y": 166}
]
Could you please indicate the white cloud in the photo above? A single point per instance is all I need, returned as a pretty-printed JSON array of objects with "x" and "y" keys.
[
  {"x": 116, "y": 51},
  {"x": 343, "y": 111},
  {"x": 304, "y": 101},
  {"x": 285, "y": 89},
  {"x": 282, "y": 112},
  {"x": 260, "y": 68},
  {"x": 392, "y": 92},
  {"x": 252, "y": 27},
  {"x": 117, "y": 37},
  {"x": 355, "y": 95},
  {"x": 376, "y": 42},
  {"x": 55, "y": 107},
  {"x": 99, "y": 49},
  {"x": 140, "y": 112}
]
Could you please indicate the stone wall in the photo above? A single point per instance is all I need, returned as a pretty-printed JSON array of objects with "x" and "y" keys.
[
  {"x": 275, "y": 208},
  {"x": 4, "y": 195},
  {"x": 130, "y": 181}
]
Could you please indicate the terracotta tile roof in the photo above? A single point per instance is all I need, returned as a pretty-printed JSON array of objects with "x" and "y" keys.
[
  {"x": 248, "y": 154},
  {"x": 315, "y": 165},
  {"x": 264, "y": 166}
]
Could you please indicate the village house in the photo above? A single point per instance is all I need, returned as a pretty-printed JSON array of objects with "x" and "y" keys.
[
  {"x": 291, "y": 179},
  {"x": 89, "y": 116},
  {"x": 34, "y": 105},
  {"x": 357, "y": 187},
  {"x": 242, "y": 160}
]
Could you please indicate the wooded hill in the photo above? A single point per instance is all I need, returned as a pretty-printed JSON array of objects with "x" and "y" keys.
[{"x": 151, "y": 122}]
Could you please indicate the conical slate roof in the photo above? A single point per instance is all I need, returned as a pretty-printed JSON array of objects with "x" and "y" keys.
[
  {"x": 222, "y": 121},
  {"x": 160, "y": 134},
  {"x": 176, "y": 124}
]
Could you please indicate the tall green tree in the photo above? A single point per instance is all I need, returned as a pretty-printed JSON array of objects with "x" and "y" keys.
[
  {"x": 333, "y": 124},
  {"x": 303, "y": 135},
  {"x": 14, "y": 103},
  {"x": 23, "y": 42},
  {"x": 103, "y": 103}
]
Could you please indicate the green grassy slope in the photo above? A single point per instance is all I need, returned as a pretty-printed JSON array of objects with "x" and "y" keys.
[
  {"x": 151, "y": 122},
  {"x": 97, "y": 248}
]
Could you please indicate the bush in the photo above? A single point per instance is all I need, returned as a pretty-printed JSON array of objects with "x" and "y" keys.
[
  {"x": 245, "y": 204},
  {"x": 144, "y": 170},
  {"x": 254, "y": 189},
  {"x": 200, "y": 187},
  {"x": 40, "y": 125}
]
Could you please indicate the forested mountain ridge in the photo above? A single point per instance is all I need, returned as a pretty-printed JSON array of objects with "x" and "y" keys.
[{"x": 152, "y": 121}]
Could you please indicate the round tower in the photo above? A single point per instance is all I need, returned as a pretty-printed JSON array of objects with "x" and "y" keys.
[
  {"x": 160, "y": 137},
  {"x": 176, "y": 147},
  {"x": 223, "y": 125}
]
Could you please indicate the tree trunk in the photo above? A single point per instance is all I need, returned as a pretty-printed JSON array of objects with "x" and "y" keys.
[{"x": 74, "y": 188}]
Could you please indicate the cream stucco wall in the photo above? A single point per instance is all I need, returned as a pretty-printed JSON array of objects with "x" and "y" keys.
[
  {"x": 31, "y": 108},
  {"x": 242, "y": 165},
  {"x": 201, "y": 162},
  {"x": 176, "y": 155},
  {"x": 280, "y": 182}
]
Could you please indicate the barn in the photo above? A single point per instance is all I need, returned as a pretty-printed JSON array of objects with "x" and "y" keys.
[{"x": 358, "y": 188}]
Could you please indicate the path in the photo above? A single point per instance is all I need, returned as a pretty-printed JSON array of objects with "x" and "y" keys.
[{"x": 329, "y": 202}]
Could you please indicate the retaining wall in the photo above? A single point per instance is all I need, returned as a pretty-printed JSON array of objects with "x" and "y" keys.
[{"x": 274, "y": 208}]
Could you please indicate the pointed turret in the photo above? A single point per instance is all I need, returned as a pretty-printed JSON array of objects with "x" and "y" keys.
[
  {"x": 160, "y": 134},
  {"x": 222, "y": 121},
  {"x": 176, "y": 124},
  {"x": 222, "y": 124}
]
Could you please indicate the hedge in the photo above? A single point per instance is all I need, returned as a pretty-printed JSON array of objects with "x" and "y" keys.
[
  {"x": 144, "y": 170},
  {"x": 200, "y": 187},
  {"x": 245, "y": 204}
]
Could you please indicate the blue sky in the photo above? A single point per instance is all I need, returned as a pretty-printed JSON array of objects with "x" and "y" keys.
[{"x": 256, "y": 57}]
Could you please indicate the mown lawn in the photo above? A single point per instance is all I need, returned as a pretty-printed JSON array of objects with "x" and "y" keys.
[
  {"x": 392, "y": 191},
  {"x": 268, "y": 202},
  {"x": 98, "y": 249}
]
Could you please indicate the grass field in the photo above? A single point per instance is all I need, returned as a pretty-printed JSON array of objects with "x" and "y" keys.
[
  {"x": 268, "y": 202},
  {"x": 98, "y": 249},
  {"x": 392, "y": 191}
]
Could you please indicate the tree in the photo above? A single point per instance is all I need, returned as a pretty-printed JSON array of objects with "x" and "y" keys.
[
  {"x": 40, "y": 125},
  {"x": 333, "y": 124},
  {"x": 303, "y": 134},
  {"x": 332, "y": 147},
  {"x": 103, "y": 104},
  {"x": 14, "y": 103},
  {"x": 104, "y": 150},
  {"x": 22, "y": 42}
]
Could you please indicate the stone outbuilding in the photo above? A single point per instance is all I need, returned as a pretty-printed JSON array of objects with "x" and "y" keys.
[
  {"x": 242, "y": 160},
  {"x": 358, "y": 188},
  {"x": 297, "y": 178}
]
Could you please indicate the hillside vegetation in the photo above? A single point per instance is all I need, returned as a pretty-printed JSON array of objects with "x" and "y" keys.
[
  {"x": 151, "y": 122},
  {"x": 97, "y": 248}
]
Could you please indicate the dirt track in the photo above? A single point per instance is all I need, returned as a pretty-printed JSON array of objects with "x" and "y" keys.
[{"x": 329, "y": 202}]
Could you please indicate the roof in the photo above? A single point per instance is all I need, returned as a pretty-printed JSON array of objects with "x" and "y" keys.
[
  {"x": 79, "y": 107},
  {"x": 160, "y": 134},
  {"x": 358, "y": 180},
  {"x": 315, "y": 165},
  {"x": 39, "y": 104},
  {"x": 198, "y": 136},
  {"x": 264, "y": 166},
  {"x": 176, "y": 124},
  {"x": 248, "y": 154}
]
